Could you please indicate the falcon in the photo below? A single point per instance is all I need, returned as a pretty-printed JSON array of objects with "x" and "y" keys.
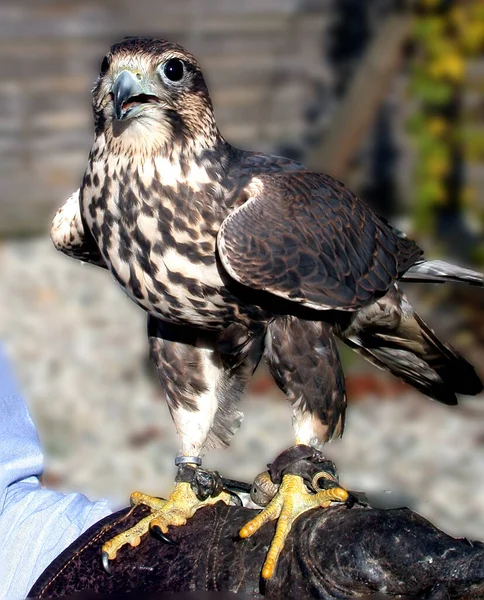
[{"x": 237, "y": 256}]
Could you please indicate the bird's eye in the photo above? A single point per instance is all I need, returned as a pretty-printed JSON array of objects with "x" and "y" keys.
[{"x": 174, "y": 69}]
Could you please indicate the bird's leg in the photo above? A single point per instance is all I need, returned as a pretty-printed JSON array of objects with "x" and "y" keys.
[
  {"x": 194, "y": 488},
  {"x": 307, "y": 480},
  {"x": 196, "y": 382},
  {"x": 303, "y": 358}
]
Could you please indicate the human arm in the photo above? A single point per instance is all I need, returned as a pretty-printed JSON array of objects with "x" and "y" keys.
[{"x": 36, "y": 524}]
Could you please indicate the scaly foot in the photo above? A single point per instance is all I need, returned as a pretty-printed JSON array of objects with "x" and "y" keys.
[
  {"x": 291, "y": 500},
  {"x": 181, "y": 505}
]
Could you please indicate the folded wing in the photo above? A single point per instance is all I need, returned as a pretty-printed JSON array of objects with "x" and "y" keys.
[{"x": 305, "y": 237}]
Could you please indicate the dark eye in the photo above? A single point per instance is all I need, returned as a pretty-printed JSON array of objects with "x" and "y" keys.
[{"x": 174, "y": 69}]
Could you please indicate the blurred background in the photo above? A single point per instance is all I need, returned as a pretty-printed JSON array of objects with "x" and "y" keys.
[{"x": 386, "y": 95}]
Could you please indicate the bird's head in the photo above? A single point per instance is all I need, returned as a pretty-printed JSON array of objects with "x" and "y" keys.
[{"x": 151, "y": 96}]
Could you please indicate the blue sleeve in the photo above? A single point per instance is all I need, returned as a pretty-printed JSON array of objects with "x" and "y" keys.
[{"x": 36, "y": 524}]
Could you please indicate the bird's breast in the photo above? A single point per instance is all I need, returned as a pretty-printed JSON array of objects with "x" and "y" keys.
[{"x": 159, "y": 242}]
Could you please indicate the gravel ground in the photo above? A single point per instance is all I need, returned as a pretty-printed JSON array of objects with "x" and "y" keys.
[{"x": 79, "y": 350}]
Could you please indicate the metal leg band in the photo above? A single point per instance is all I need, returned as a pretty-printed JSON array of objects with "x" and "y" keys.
[{"x": 185, "y": 460}]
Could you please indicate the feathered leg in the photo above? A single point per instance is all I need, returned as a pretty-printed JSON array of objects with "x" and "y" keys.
[
  {"x": 304, "y": 361},
  {"x": 203, "y": 375}
]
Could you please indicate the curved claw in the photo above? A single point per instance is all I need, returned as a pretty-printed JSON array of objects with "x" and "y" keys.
[
  {"x": 157, "y": 532},
  {"x": 105, "y": 562}
]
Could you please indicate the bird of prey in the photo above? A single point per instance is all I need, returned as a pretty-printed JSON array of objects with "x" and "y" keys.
[{"x": 237, "y": 256}]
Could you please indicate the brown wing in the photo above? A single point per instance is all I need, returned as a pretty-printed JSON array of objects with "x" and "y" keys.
[{"x": 305, "y": 237}]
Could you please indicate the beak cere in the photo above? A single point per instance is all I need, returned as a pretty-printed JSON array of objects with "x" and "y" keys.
[
  {"x": 129, "y": 95},
  {"x": 124, "y": 88}
]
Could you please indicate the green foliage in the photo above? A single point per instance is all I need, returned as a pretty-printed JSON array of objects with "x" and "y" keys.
[
  {"x": 446, "y": 36},
  {"x": 430, "y": 91}
]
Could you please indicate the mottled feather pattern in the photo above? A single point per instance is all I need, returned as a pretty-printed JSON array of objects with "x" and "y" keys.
[
  {"x": 162, "y": 239},
  {"x": 181, "y": 355},
  {"x": 69, "y": 235}
]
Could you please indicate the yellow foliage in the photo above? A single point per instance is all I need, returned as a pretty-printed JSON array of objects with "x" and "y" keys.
[
  {"x": 473, "y": 37},
  {"x": 449, "y": 66},
  {"x": 469, "y": 21},
  {"x": 437, "y": 126},
  {"x": 447, "y": 34},
  {"x": 437, "y": 167},
  {"x": 458, "y": 17}
]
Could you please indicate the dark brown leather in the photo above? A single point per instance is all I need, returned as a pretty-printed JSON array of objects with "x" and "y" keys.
[{"x": 331, "y": 554}]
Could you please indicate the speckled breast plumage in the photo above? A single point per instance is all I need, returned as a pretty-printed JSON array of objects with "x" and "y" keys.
[{"x": 156, "y": 229}]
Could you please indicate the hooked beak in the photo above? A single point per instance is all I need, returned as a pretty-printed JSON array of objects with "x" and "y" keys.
[{"x": 129, "y": 96}]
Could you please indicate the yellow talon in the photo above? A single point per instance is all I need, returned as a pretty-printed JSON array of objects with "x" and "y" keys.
[
  {"x": 182, "y": 504},
  {"x": 291, "y": 500}
]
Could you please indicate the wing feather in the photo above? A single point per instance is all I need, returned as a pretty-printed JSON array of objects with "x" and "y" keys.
[{"x": 70, "y": 236}]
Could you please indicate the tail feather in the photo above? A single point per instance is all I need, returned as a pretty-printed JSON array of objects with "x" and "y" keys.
[
  {"x": 440, "y": 271},
  {"x": 452, "y": 367},
  {"x": 393, "y": 337}
]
